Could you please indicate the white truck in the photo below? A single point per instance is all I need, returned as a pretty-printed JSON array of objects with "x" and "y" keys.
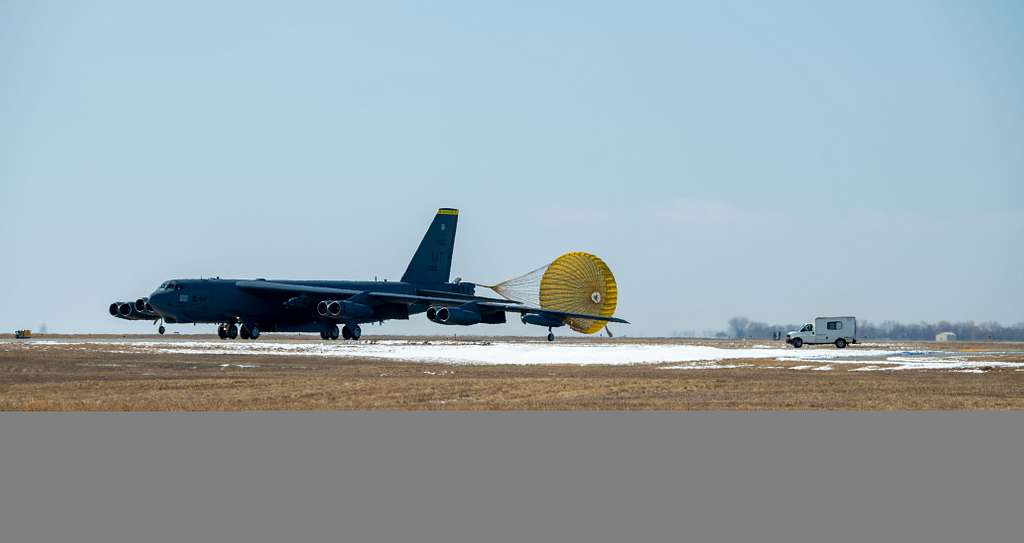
[{"x": 840, "y": 331}]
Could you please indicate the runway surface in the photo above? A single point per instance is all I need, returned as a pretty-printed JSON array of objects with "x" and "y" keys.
[
  {"x": 867, "y": 357},
  {"x": 202, "y": 373}
]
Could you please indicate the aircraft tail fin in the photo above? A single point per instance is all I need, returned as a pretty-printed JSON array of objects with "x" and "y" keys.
[{"x": 432, "y": 262}]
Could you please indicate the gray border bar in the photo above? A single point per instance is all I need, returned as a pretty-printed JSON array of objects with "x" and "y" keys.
[{"x": 511, "y": 477}]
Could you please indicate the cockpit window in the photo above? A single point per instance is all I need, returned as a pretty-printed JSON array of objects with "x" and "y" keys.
[{"x": 163, "y": 285}]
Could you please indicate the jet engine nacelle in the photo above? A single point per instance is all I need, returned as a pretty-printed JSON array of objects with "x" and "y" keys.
[
  {"x": 139, "y": 310},
  {"x": 465, "y": 315},
  {"x": 125, "y": 309},
  {"x": 344, "y": 309},
  {"x": 143, "y": 311},
  {"x": 457, "y": 316},
  {"x": 543, "y": 320},
  {"x": 356, "y": 310},
  {"x": 142, "y": 306}
]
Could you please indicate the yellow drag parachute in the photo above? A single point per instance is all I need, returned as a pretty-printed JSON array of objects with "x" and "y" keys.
[{"x": 575, "y": 282}]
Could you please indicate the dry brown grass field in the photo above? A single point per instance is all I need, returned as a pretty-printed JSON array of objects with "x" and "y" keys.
[{"x": 84, "y": 377}]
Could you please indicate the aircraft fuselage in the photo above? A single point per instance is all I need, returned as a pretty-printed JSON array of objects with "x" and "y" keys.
[{"x": 222, "y": 301}]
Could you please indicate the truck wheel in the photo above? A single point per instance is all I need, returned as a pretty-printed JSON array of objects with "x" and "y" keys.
[
  {"x": 840, "y": 343},
  {"x": 797, "y": 342}
]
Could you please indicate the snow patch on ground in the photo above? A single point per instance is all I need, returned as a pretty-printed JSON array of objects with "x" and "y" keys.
[
  {"x": 564, "y": 352},
  {"x": 506, "y": 352}
]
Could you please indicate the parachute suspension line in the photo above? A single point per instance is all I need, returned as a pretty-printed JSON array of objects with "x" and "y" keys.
[
  {"x": 574, "y": 283},
  {"x": 524, "y": 288}
]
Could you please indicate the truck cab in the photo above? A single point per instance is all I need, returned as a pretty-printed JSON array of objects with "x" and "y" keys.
[{"x": 839, "y": 331}]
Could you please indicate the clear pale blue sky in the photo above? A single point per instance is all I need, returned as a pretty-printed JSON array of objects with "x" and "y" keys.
[{"x": 772, "y": 159}]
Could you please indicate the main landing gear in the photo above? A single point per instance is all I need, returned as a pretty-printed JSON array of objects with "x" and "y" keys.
[
  {"x": 249, "y": 332},
  {"x": 230, "y": 331},
  {"x": 331, "y": 333},
  {"x": 349, "y": 331}
]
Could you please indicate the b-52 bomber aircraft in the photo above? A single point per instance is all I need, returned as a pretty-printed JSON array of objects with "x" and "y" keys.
[{"x": 247, "y": 308}]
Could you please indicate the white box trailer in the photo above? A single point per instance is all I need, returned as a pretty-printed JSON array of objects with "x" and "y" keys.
[{"x": 840, "y": 331}]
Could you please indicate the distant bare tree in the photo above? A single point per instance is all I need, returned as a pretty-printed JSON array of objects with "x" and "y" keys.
[
  {"x": 742, "y": 327},
  {"x": 738, "y": 325}
]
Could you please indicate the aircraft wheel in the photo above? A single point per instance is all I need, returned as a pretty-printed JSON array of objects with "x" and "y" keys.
[
  {"x": 161, "y": 329},
  {"x": 255, "y": 332},
  {"x": 232, "y": 331},
  {"x": 323, "y": 334},
  {"x": 551, "y": 336},
  {"x": 355, "y": 331},
  {"x": 797, "y": 342},
  {"x": 222, "y": 331},
  {"x": 346, "y": 332},
  {"x": 333, "y": 332},
  {"x": 243, "y": 332},
  {"x": 840, "y": 343}
]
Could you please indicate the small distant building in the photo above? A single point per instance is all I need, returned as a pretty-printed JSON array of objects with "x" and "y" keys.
[{"x": 945, "y": 336}]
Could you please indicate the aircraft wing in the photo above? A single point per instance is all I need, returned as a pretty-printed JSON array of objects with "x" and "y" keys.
[
  {"x": 394, "y": 297},
  {"x": 488, "y": 303},
  {"x": 271, "y": 287},
  {"x": 526, "y": 310}
]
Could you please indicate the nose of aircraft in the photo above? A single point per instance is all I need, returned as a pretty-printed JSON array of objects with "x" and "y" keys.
[{"x": 158, "y": 300}]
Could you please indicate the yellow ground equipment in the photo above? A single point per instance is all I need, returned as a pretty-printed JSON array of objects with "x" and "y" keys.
[
  {"x": 22, "y": 334},
  {"x": 575, "y": 282}
]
